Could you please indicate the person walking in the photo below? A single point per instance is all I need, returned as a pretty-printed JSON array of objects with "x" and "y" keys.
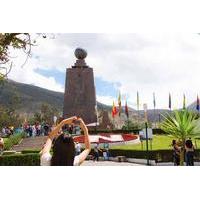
[
  {"x": 189, "y": 152},
  {"x": 96, "y": 152},
  {"x": 78, "y": 148},
  {"x": 46, "y": 129}
]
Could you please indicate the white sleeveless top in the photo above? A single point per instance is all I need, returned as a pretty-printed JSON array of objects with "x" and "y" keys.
[{"x": 45, "y": 160}]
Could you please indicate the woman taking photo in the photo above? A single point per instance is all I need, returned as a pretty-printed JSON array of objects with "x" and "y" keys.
[{"x": 64, "y": 147}]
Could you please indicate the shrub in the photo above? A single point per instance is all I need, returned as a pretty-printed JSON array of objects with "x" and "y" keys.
[
  {"x": 13, "y": 140},
  {"x": 9, "y": 152},
  {"x": 20, "y": 160},
  {"x": 157, "y": 155},
  {"x": 30, "y": 151},
  {"x": 33, "y": 159}
]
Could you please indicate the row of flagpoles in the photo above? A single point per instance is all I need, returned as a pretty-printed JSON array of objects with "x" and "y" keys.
[{"x": 118, "y": 111}]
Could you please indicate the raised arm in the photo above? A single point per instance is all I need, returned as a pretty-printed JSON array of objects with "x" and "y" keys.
[
  {"x": 54, "y": 133},
  {"x": 87, "y": 150}
]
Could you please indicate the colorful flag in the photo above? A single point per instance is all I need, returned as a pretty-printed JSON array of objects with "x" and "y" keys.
[
  {"x": 184, "y": 106},
  {"x": 126, "y": 110},
  {"x": 138, "y": 100},
  {"x": 114, "y": 110},
  {"x": 119, "y": 103},
  {"x": 170, "y": 102},
  {"x": 154, "y": 100},
  {"x": 197, "y": 107}
]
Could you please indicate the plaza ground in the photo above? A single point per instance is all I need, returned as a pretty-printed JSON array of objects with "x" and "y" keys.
[{"x": 108, "y": 163}]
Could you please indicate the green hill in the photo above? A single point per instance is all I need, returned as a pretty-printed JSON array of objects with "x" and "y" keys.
[{"x": 29, "y": 98}]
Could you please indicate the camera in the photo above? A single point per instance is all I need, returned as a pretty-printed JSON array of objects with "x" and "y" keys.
[{"x": 76, "y": 122}]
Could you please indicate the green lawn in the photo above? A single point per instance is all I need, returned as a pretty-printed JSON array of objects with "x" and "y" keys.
[{"x": 158, "y": 142}]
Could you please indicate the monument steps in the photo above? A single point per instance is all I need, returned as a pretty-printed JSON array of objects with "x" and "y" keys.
[{"x": 31, "y": 143}]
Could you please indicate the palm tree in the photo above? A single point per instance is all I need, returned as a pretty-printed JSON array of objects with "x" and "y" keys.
[{"x": 182, "y": 125}]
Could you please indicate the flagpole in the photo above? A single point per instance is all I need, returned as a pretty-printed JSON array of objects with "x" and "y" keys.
[
  {"x": 155, "y": 116},
  {"x": 154, "y": 105},
  {"x": 197, "y": 106},
  {"x": 126, "y": 111},
  {"x": 137, "y": 107},
  {"x": 170, "y": 103}
]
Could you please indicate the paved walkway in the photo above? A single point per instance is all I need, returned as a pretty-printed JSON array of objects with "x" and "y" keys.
[
  {"x": 30, "y": 143},
  {"x": 108, "y": 163}
]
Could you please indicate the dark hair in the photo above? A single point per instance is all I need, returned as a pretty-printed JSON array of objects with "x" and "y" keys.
[
  {"x": 63, "y": 151},
  {"x": 173, "y": 142},
  {"x": 188, "y": 144}
]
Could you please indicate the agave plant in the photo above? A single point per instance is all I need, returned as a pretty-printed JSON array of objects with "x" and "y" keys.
[{"x": 182, "y": 125}]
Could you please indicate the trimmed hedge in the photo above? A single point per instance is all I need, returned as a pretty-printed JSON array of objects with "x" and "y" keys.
[
  {"x": 33, "y": 159},
  {"x": 157, "y": 155},
  {"x": 20, "y": 160},
  {"x": 28, "y": 151}
]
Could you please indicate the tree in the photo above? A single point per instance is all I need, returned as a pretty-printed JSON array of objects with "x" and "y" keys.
[
  {"x": 129, "y": 124},
  {"x": 8, "y": 118},
  {"x": 47, "y": 112},
  {"x": 12, "y": 40},
  {"x": 8, "y": 41},
  {"x": 182, "y": 125}
]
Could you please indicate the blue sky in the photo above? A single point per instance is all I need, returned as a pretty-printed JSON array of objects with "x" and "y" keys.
[{"x": 102, "y": 87}]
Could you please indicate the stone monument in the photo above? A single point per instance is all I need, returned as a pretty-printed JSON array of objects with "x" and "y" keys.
[{"x": 80, "y": 97}]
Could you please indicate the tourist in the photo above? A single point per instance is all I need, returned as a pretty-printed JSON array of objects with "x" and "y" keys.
[
  {"x": 34, "y": 131},
  {"x": 8, "y": 133},
  {"x": 96, "y": 152},
  {"x": 176, "y": 153},
  {"x": 30, "y": 131},
  {"x": 70, "y": 129},
  {"x": 106, "y": 151},
  {"x": 46, "y": 129},
  {"x": 11, "y": 130},
  {"x": 64, "y": 148},
  {"x": 1, "y": 145},
  {"x": 105, "y": 155},
  {"x": 3, "y": 131},
  {"x": 78, "y": 148},
  {"x": 189, "y": 150},
  {"x": 38, "y": 128}
]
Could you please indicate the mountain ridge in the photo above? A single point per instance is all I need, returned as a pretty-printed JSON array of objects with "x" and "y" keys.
[{"x": 31, "y": 98}]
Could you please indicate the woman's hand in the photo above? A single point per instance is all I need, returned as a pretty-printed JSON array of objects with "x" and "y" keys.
[
  {"x": 69, "y": 120},
  {"x": 56, "y": 130}
]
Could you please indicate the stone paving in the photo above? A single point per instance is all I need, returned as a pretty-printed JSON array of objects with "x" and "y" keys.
[{"x": 108, "y": 163}]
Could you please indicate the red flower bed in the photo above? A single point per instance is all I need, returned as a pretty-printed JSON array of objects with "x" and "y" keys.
[
  {"x": 125, "y": 138},
  {"x": 128, "y": 137}
]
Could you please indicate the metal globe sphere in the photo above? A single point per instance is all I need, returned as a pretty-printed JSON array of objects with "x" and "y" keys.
[{"x": 80, "y": 53}]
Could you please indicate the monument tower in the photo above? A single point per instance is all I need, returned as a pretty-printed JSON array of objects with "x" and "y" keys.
[{"x": 80, "y": 97}]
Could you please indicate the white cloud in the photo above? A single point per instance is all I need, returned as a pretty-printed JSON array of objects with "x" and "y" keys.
[
  {"x": 26, "y": 73},
  {"x": 147, "y": 63},
  {"x": 108, "y": 100}
]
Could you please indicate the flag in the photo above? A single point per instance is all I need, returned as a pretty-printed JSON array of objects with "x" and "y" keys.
[
  {"x": 184, "y": 106},
  {"x": 114, "y": 110},
  {"x": 170, "y": 102},
  {"x": 154, "y": 100},
  {"x": 197, "y": 107},
  {"x": 138, "y": 100},
  {"x": 126, "y": 110},
  {"x": 119, "y": 103}
]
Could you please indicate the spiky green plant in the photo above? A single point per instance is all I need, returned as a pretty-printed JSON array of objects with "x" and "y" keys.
[{"x": 182, "y": 125}]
